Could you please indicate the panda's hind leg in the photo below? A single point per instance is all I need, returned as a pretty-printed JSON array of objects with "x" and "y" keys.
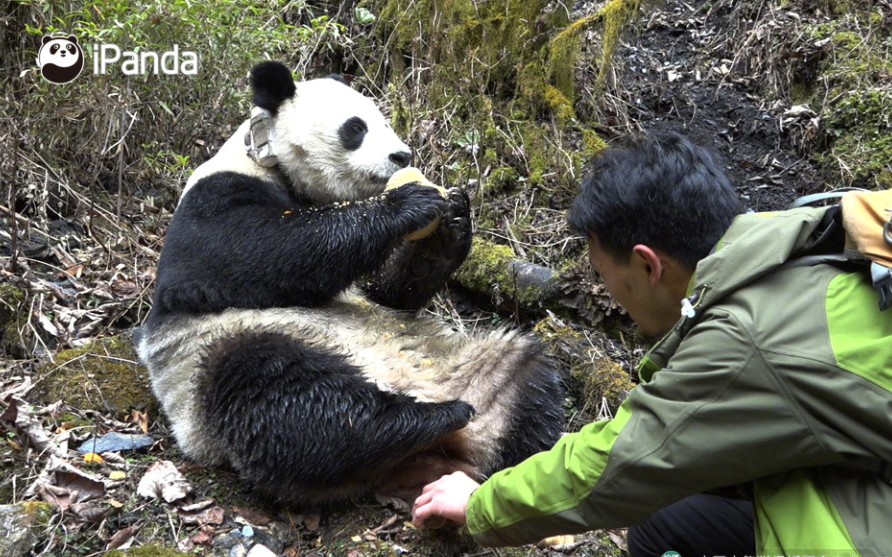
[
  {"x": 518, "y": 394},
  {"x": 537, "y": 417},
  {"x": 302, "y": 426}
]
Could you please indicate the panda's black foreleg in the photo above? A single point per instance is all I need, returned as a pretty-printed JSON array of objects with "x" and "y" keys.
[
  {"x": 417, "y": 270},
  {"x": 238, "y": 241},
  {"x": 296, "y": 418}
]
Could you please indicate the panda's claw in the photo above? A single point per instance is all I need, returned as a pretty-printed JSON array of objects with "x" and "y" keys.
[{"x": 417, "y": 206}]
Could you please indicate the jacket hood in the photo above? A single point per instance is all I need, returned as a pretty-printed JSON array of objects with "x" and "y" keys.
[{"x": 755, "y": 245}]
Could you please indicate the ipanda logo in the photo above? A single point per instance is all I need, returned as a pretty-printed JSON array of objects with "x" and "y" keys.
[
  {"x": 61, "y": 60},
  {"x": 172, "y": 62}
]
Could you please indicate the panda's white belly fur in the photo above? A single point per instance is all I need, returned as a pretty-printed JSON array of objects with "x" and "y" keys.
[{"x": 398, "y": 351}]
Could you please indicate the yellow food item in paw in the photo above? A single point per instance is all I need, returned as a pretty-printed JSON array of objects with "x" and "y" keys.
[{"x": 409, "y": 175}]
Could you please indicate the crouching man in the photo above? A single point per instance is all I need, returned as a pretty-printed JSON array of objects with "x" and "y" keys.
[{"x": 767, "y": 375}]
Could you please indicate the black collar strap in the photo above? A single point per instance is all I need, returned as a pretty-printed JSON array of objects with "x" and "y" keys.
[{"x": 261, "y": 134}]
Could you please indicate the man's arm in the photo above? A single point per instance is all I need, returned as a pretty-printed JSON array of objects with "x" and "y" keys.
[{"x": 716, "y": 416}]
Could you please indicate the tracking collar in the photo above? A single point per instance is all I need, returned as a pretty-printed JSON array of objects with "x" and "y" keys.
[{"x": 260, "y": 136}]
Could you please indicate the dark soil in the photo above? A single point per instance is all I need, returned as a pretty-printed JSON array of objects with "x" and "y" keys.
[{"x": 672, "y": 80}]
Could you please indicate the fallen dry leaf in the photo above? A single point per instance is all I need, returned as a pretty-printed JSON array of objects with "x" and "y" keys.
[
  {"x": 18, "y": 415},
  {"x": 90, "y": 512},
  {"x": 163, "y": 480},
  {"x": 122, "y": 539},
  {"x": 141, "y": 419},
  {"x": 94, "y": 459},
  {"x": 252, "y": 516},
  {"x": 67, "y": 486},
  {"x": 211, "y": 516}
]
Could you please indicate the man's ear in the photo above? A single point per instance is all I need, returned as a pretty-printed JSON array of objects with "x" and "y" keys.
[{"x": 648, "y": 262}]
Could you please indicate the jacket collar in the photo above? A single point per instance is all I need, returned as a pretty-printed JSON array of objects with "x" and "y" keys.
[{"x": 755, "y": 245}]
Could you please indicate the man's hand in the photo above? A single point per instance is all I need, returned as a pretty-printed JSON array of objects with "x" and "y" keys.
[{"x": 445, "y": 498}]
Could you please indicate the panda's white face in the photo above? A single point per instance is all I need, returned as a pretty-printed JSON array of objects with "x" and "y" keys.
[
  {"x": 335, "y": 144},
  {"x": 61, "y": 52}
]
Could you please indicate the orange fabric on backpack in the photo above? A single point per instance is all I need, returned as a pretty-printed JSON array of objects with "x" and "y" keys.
[{"x": 866, "y": 217}]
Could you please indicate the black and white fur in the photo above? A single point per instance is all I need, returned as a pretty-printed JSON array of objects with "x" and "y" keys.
[{"x": 284, "y": 338}]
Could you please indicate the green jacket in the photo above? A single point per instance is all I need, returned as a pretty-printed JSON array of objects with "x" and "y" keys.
[{"x": 781, "y": 380}]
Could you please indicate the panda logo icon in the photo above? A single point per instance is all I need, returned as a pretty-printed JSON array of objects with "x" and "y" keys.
[{"x": 60, "y": 59}]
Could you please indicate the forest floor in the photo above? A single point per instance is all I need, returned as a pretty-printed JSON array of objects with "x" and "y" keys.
[{"x": 679, "y": 71}]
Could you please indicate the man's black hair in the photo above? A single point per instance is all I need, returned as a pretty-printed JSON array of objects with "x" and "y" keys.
[{"x": 659, "y": 190}]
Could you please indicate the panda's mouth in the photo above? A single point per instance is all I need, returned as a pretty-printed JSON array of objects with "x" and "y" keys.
[{"x": 378, "y": 180}]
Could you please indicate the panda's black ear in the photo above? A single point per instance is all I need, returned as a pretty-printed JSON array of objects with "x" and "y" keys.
[
  {"x": 46, "y": 39},
  {"x": 72, "y": 39},
  {"x": 272, "y": 84}
]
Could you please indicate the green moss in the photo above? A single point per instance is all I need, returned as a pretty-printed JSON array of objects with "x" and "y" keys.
[
  {"x": 855, "y": 99},
  {"x": 564, "y": 52},
  {"x": 38, "y": 513},
  {"x": 595, "y": 377},
  {"x": 147, "y": 551},
  {"x": 469, "y": 45},
  {"x": 603, "y": 379},
  {"x": 490, "y": 269},
  {"x": 616, "y": 14},
  {"x": 563, "y": 55},
  {"x": 532, "y": 82},
  {"x": 501, "y": 179},
  {"x": 592, "y": 144},
  {"x": 537, "y": 152},
  {"x": 859, "y": 125},
  {"x": 560, "y": 105},
  {"x": 102, "y": 376},
  {"x": 487, "y": 270},
  {"x": 400, "y": 113},
  {"x": 479, "y": 59}
]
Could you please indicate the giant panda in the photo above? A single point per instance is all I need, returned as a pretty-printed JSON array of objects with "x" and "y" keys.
[{"x": 285, "y": 339}]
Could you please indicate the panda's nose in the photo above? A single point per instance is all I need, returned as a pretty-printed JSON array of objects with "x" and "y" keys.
[{"x": 402, "y": 158}]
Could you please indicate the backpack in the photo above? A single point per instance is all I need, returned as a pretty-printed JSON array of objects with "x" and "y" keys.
[{"x": 856, "y": 229}]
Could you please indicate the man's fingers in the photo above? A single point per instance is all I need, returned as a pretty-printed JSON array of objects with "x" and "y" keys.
[
  {"x": 421, "y": 513},
  {"x": 430, "y": 486}
]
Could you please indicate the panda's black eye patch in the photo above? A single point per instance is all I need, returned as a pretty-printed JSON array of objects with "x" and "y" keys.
[
  {"x": 352, "y": 133},
  {"x": 54, "y": 49}
]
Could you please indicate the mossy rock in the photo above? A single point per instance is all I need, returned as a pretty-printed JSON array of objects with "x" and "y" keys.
[
  {"x": 13, "y": 321},
  {"x": 493, "y": 270},
  {"x": 104, "y": 376},
  {"x": 20, "y": 526}
]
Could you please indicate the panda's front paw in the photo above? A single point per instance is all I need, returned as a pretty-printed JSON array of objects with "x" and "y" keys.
[
  {"x": 416, "y": 206},
  {"x": 457, "y": 219},
  {"x": 453, "y": 237},
  {"x": 459, "y": 203}
]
